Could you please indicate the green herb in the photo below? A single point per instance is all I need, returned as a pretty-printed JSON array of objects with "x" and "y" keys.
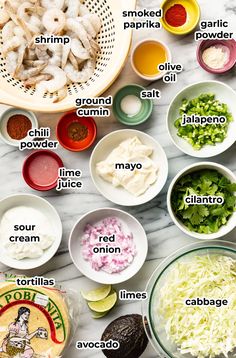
[
  {"x": 204, "y": 219},
  {"x": 199, "y": 135}
]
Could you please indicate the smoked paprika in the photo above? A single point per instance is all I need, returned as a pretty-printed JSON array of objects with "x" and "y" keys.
[{"x": 176, "y": 15}]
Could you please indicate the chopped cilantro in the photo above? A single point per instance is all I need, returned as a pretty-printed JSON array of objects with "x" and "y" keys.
[{"x": 205, "y": 219}]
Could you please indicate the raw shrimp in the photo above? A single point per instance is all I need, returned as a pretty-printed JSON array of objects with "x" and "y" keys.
[
  {"x": 15, "y": 4},
  {"x": 8, "y": 31},
  {"x": 77, "y": 27},
  {"x": 49, "y": 4},
  {"x": 21, "y": 53},
  {"x": 73, "y": 8},
  {"x": 57, "y": 82},
  {"x": 78, "y": 50},
  {"x": 26, "y": 73},
  {"x": 56, "y": 50},
  {"x": 73, "y": 61},
  {"x": 61, "y": 94},
  {"x": 54, "y": 20},
  {"x": 83, "y": 75},
  {"x": 65, "y": 54},
  {"x": 51, "y": 66},
  {"x": 95, "y": 21},
  {"x": 37, "y": 79},
  {"x": 4, "y": 16},
  {"x": 23, "y": 14},
  {"x": 42, "y": 52},
  {"x": 11, "y": 11},
  {"x": 11, "y": 45},
  {"x": 11, "y": 62}
]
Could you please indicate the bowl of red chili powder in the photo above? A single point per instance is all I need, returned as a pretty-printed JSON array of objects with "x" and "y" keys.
[
  {"x": 180, "y": 17},
  {"x": 76, "y": 133},
  {"x": 15, "y": 124}
]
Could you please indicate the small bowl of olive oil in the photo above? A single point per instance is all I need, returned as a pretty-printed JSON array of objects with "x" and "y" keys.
[{"x": 146, "y": 57}]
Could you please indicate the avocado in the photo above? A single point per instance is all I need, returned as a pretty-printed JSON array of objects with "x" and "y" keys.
[{"x": 129, "y": 332}]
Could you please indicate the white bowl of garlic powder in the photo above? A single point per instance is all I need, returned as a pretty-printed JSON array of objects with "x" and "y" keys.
[{"x": 30, "y": 231}]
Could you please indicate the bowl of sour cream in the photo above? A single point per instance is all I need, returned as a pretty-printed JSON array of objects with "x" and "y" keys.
[{"x": 30, "y": 231}]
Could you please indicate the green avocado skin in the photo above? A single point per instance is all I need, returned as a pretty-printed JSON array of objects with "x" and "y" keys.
[{"x": 129, "y": 332}]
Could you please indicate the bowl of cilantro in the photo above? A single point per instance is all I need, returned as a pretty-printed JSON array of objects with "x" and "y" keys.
[
  {"x": 201, "y": 119},
  {"x": 201, "y": 200}
]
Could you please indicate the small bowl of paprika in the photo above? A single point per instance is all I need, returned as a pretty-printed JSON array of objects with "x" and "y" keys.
[
  {"x": 15, "y": 124},
  {"x": 180, "y": 17},
  {"x": 76, "y": 133}
]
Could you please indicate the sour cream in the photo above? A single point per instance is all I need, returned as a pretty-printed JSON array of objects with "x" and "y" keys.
[
  {"x": 25, "y": 232},
  {"x": 129, "y": 165}
]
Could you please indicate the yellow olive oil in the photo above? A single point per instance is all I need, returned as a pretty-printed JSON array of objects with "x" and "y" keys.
[{"x": 148, "y": 56}]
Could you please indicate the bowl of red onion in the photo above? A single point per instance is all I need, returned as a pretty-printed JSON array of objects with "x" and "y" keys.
[{"x": 107, "y": 245}]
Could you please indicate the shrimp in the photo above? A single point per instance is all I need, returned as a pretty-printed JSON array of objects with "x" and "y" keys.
[
  {"x": 83, "y": 75},
  {"x": 37, "y": 79},
  {"x": 56, "y": 50},
  {"x": 77, "y": 27},
  {"x": 73, "y": 8},
  {"x": 24, "y": 74},
  {"x": 49, "y": 4},
  {"x": 57, "y": 82},
  {"x": 54, "y": 20},
  {"x": 11, "y": 62},
  {"x": 87, "y": 24},
  {"x": 65, "y": 54},
  {"x": 42, "y": 52},
  {"x": 78, "y": 50},
  {"x": 11, "y": 11},
  {"x": 23, "y": 14},
  {"x": 8, "y": 31},
  {"x": 95, "y": 21},
  {"x": 61, "y": 94},
  {"x": 4, "y": 16},
  {"x": 73, "y": 61},
  {"x": 21, "y": 54},
  {"x": 11, "y": 45}
]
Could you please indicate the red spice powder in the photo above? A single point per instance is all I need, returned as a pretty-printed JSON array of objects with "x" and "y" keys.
[
  {"x": 18, "y": 126},
  {"x": 176, "y": 15}
]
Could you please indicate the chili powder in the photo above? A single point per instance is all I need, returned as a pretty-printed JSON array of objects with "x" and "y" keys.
[
  {"x": 176, "y": 15},
  {"x": 18, "y": 126}
]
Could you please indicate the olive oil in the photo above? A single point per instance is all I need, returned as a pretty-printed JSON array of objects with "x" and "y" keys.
[{"x": 148, "y": 56}]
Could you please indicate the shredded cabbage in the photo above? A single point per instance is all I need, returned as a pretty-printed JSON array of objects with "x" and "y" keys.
[{"x": 202, "y": 331}]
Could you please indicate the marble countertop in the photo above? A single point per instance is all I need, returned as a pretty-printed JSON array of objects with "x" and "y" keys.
[{"x": 163, "y": 236}]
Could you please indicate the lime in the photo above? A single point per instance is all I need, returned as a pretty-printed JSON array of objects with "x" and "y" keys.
[
  {"x": 98, "y": 315},
  {"x": 105, "y": 304},
  {"x": 98, "y": 294}
]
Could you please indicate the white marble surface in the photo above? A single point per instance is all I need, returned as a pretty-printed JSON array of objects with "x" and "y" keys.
[{"x": 163, "y": 236}]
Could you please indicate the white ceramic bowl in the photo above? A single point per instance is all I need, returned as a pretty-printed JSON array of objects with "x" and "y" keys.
[
  {"x": 225, "y": 229},
  {"x": 130, "y": 224},
  {"x": 3, "y": 124},
  {"x": 46, "y": 209},
  {"x": 161, "y": 74},
  {"x": 119, "y": 195},
  {"x": 224, "y": 94}
]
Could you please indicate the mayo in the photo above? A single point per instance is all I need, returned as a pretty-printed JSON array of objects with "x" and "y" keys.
[{"x": 129, "y": 165}]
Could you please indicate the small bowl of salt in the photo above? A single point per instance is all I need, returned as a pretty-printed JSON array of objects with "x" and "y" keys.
[
  {"x": 130, "y": 107},
  {"x": 217, "y": 56}
]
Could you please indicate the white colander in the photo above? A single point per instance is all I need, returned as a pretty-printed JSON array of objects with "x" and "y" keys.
[{"x": 114, "y": 43}]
